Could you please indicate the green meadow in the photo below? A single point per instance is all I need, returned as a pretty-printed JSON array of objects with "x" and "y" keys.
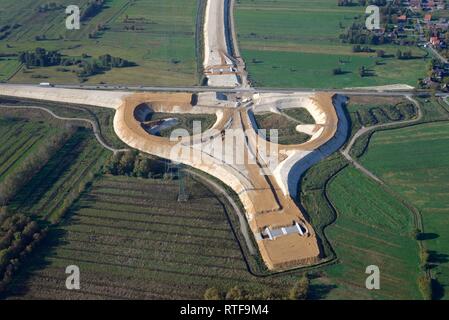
[
  {"x": 415, "y": 162},
  {"x": 372, "y": 228},
  {"x": 296, "y": 44}
]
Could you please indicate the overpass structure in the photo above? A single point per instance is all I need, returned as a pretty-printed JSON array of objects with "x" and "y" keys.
[{"x": 263, "y": 174}]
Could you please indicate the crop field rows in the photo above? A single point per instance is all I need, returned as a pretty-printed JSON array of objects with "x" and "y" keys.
[
  {"x": 45, "y": 193},
  {"x": 18, "y": 139},
  {"x": 104, "y": 117},
  {"x": 132, "y": 239}
]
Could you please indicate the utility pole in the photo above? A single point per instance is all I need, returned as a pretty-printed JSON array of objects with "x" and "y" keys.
[{"x": 176, "y": 170}]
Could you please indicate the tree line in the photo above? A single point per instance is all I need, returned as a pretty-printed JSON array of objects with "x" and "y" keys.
[
  {"x": 6, "y": 30},
  {"x": 93, "y": 8},
  {"x": 103, "y": 63},
  {"x": 299, "y": 291},
  {"x": 350, "y": 3},
  {"x": 131, "y": 163},
  {"x": 21, "y": 236},
  {"x": 358, "y": 34},
  {"x": 40, "y": 58}
]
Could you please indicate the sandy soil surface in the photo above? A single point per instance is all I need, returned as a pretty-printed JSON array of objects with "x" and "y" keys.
[
  {"x": 217, "y": 53},
  {"x": 107, "y": 99}
]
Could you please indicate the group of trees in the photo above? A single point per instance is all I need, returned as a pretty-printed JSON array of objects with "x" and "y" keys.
[
  {"x": 300, "y": 291},
  {"x": 90, "y": 67},
  {"x": 40, "y": 58},
  {"x": 6, "y": 30},
  {"x": 404, "y": 55},
  {"x": 358, "y": 34},
  {"x": 131, "y": 163},
  {"x": 95, "y": 33},
  {"x": 30, "y": 166},
  {"x": 21, "y": 236},
  {"x": 93, "y": 8},
  {"x": 365, "y": 72},
  {"x": 108, "y": 61}
]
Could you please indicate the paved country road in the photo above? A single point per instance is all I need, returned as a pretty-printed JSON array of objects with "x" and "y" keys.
[{"x": 93, "y": 124}]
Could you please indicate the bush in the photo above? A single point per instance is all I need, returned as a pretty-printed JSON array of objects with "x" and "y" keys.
[
  {"x": 21, "y": 237},
  {"x": 132, "y": 164},
  {"x": 424, "y": 259},
  {"x": 301, "y": 289},
  {"x": 212, "y": 294},
  {"x": 234, "y": 293},
  {"x": 425, "y": 286}
]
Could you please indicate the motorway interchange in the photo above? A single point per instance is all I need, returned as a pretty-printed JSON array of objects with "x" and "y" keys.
[{"x": 267, "y": 191}]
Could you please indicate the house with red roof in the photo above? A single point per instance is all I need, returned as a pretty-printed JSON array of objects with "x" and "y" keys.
[{"x": 434, "y": 41}]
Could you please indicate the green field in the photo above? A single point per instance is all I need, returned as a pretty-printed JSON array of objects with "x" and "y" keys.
[
  {"x": 296, "y": 44},
  {"x": 299, "y": 114},
  {"x": 78, "y": 160},
  {"x": 286, "y": 128},
  {"x": 8, "y": 67},
  {"x": 184, "y": 122},
  {"x": 56, "y": 185},
  {"x": 415, "y": 162},
  {"x": 162, "y": 43},
  {"x": 379, "y": 111},
  {"x": 373, "y": 228},
  {"x": 19, "y": 138}
]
